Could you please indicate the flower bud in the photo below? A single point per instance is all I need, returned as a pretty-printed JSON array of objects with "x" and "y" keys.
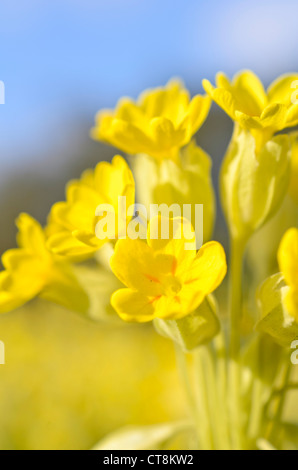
[
  {"x": 185, "y": 182},
  {"x": 253, "y": 184},
  {"x": 276, "y": 320}
]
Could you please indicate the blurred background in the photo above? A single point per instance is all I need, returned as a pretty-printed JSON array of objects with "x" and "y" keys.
[{"x": 61, "y": 61}]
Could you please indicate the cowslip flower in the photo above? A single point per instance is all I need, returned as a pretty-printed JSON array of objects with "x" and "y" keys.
[
  {"x": 163, "y": 279},
  {"x": 293, "y": 187},
  {"x": 288, "y": 264},
  {"x": 31, "y": 270},
  {"x": 72, "y": 223},
  {"x": 262, "y": 112},
  {"x": 161, "y": 121}
]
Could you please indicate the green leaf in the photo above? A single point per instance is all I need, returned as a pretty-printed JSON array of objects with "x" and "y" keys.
[
  {"x": 151, "y": 437},
  {"x": 193, "y": 330},
  {"x": 275, "y": 320}
]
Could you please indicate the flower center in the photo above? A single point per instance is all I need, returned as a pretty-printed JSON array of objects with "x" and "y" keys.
[{"x": 172, "y": 286}]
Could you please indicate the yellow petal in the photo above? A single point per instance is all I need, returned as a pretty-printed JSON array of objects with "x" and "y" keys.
[
  {"x": 281, "y": 90},
  {"x": 22, "y": 260},
  {"x": 249, "y": 93},
  {"x": 75, "y": 216},
  {"x": 113, "y": 180},
  {"x": 292, "y": 115},
  {"x": 87, "y": 178},
  {"x": 198, "y": 111},
  {"x": 169, "y": 307},
  {"x": 90, "y": 238},
  {"x": 222, "y": 81},
  {"x": 291, "y": 302},
  {"x": 248, "y": 122},
  {"x": 31, "y": 235},
  {"x": 208, "y": 269},
  {"x": 170, "y": 101},
  {"x": 129, "y": 138},
  {"x": 64, "y": 243},
  {"x": 129, "y": 111},
  {"x": 274, "y": 116},
  {"x": 172, "y": 236},
  {"x": 133, "y": 306},
  {"x": 23, "y": 284},
  {"x": 288, "y": 257},
  {"x": 222, "y": 97},
  {"x": 293, "y": 188},
  {"x": 164, "y": 133},
  {"x": 133, "y": 262},
  {"x": 10, "y": 300}
]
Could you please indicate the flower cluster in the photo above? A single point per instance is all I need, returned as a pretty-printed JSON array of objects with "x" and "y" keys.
[
  {"x": 160, "y": 126},
  {"x": 170, "y": 278}
]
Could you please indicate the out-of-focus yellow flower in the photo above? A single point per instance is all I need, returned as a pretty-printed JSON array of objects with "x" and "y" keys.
[
  {"x": 288, "y": 264},
  {"x": 262, "y": 112},
  {"x": 165, "y": 278},
  {"x": 293, "y": 188},
  {"x": 31, "y": 270},
  {"x": 72, "y": 224},
  {"x": 161, "y": 121}
]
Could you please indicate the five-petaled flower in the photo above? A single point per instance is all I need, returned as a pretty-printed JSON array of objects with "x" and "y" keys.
[
  {"x": 31, "y": 270},
  {"x": 161, "y": 121},
  {"x": 165, "y": 277},
  {"x": 72, "y": 224},
  {"x": 262, "y": 112},
  {"x": 288, "y": 264}
]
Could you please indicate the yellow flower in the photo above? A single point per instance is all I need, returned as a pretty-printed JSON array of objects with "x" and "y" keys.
[
  {"x": 288, "y": 264},
  {"x": 293, "y": 188},
  {"x": 31, "y": 270},
  {"x": 161, "y": 121},
  {"x": 73, "y": 223},
  {"x": 246, "y": 102},
  {"x": 166, "y": 278}
]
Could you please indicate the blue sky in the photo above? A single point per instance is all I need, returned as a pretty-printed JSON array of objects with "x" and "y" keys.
[{"x": 64, "y": 59}]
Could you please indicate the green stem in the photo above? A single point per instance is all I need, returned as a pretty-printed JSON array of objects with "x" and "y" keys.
[
  {"x": 221, "y": 371},
  {"x": 256, "y": 414},
  {"x": 195, "y": 414},
  {"x": 255, "y": 418},
  {"x": 216, "y": 407},
  {"x": 235, "y": 294},
  {"x": 273, "y": 429},
  {"x": 235, "y": 302},
  {"x": 202, "y": 401},
  {"x": 182, "y": 367}
]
